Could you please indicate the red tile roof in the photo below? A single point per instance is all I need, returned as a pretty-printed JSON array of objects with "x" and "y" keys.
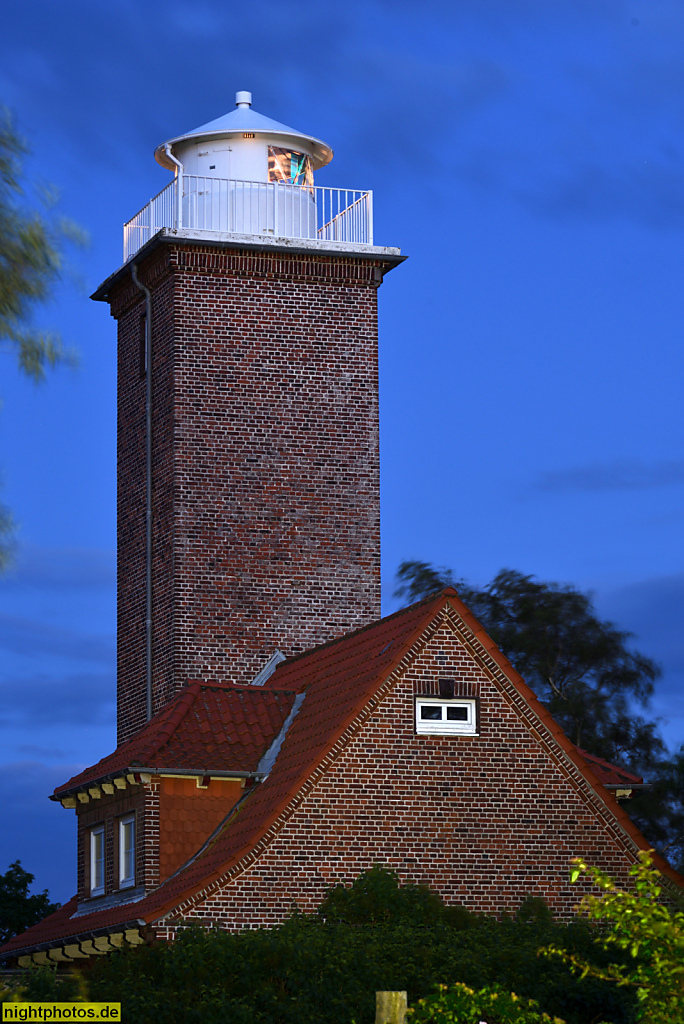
[
  {"x": 205, "y": 728},
  {"x": 610, "y": 774},
  {"x": 341, "y": 679}
]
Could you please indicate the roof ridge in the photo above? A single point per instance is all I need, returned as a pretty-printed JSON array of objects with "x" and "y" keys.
[{"x": 239, "y": 687}]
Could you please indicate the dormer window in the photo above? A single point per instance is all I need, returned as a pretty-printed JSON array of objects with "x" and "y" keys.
[
  {"x": 451, "y": 716},
  {"x": 97, "y": 861},
  {"x": 127, "y": 851}
]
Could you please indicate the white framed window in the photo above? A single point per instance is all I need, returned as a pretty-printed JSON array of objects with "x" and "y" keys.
[
  {"x": 127, "y": 851},
  {"x": 97, "y": 861},
  {"x": 456, "y": 716}
]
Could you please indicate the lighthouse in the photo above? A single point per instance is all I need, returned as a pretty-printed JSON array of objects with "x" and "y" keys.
[
  {"x": 276, "y": 737},
  {"x": 248, "y": 462}
]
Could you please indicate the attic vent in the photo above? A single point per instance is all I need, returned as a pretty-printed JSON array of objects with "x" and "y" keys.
[{"x": 447, "y": 688}]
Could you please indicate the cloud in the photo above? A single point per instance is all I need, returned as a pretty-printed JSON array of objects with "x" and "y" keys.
[
  {"x": 653, "y": 610},
  {"x": 46, "y": 753},
  {"x": 26, "y": 636},
  {"x": 61, "y": 568},
  {"x": 37, "y": 831},
  {"x": 621, "y": 475},
  {"x": 85, "y": 699}
]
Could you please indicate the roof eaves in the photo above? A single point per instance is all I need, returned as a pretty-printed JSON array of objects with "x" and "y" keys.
[{"x": 68, "y": 940}]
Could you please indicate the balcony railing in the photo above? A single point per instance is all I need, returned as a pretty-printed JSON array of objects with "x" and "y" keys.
[{"x": 272, "y": 209}]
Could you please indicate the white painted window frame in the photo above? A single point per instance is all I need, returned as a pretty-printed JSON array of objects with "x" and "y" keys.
[
  {"x": 444, "y": 727},
  {"x": 98, "y": 831},
  {"x": 126, "y": 882}
]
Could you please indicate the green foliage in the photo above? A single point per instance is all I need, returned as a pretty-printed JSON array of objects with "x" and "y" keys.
[
  {"x": 316, "y": 970},
  {"x": 651, "y": 935},
  {"x": 376, "y": 897},
  {"x": 31, "y": 261},
  {"x": 44, "y": 985},
  {"x": 18, "y": 910},
  {"x": 462, "y": 1005},
  {"x": 533, "y": 910},
  {"x": 659, "y": 811}
]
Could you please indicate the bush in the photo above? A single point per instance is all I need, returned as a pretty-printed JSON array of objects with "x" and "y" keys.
[
  {"x": 649, "y": 933},
  {"x": 372, "y": 936},
  {"x": 462, "y": 1005}
]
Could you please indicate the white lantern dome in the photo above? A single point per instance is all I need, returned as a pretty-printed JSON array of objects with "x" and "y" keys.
[{"x": 246, "y": 146}]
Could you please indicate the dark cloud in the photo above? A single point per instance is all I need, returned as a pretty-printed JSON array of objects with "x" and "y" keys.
[
  {"x": 37, "y": 831},
  {"x": 623, "y": 475},
  {"x": 578, "y": 114},
  {"x": 652, "y": 190},
  {"x": 653, "y": 611},
  {"x": 27, "y": 636},
  {"x": 74, "y": 700},
  {"x": 653, "y": 608},
  {"x": 44, "y": 753},
  {"x": 61, "y": 569}
]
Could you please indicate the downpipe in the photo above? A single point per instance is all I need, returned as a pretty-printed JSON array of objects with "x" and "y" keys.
[
  {"x": 148, "y": 491},
  {"x": 179, "y": 184}
]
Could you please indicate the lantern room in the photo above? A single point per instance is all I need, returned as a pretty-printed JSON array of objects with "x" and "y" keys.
[
  {"x": 246, "y": 146},
  {"x": 245, "y": 175}
]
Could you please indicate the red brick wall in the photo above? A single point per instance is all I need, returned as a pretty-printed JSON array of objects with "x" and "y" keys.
[
  {"x": 188, "y": 815},
  {"x": 266, "y": 477},
  {"x": 484, "y": 820}
]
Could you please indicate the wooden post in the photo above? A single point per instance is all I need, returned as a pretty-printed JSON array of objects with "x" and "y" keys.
[{"x": 390, "y": 1007}]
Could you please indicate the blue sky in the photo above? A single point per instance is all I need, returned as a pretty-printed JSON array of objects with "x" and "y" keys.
[{"x": 527, "y": 156}]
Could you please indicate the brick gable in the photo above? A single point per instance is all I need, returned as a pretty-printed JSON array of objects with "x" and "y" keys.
[{"x": 484, "y": 820}]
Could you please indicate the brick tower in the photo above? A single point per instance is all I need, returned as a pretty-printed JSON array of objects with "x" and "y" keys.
[{"x": 248, "y": 464}]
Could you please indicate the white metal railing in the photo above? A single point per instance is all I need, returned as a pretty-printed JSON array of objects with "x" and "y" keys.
[{"x": 254, "y": 208}]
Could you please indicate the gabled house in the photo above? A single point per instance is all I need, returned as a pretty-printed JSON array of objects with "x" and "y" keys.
[
  {"x": 275, "y": 735},
  {"x": 411, "y": 742}
]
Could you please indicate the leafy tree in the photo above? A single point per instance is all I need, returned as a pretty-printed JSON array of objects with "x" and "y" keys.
[
  {"x": 31, "y": 263},
  {"x": 18, "y": 910},
  {"x": 659, "y": 811},
  {"x": 641, "y": 926},
  {"x": 376, "y": 897}
]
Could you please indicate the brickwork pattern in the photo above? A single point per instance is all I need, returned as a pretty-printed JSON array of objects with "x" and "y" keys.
[
  {"x": 266, "y": 476},
  {"x": 484, "y": 820}
]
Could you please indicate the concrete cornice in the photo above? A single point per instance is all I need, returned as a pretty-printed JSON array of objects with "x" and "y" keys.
[{"x": 389, "y": 256}]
